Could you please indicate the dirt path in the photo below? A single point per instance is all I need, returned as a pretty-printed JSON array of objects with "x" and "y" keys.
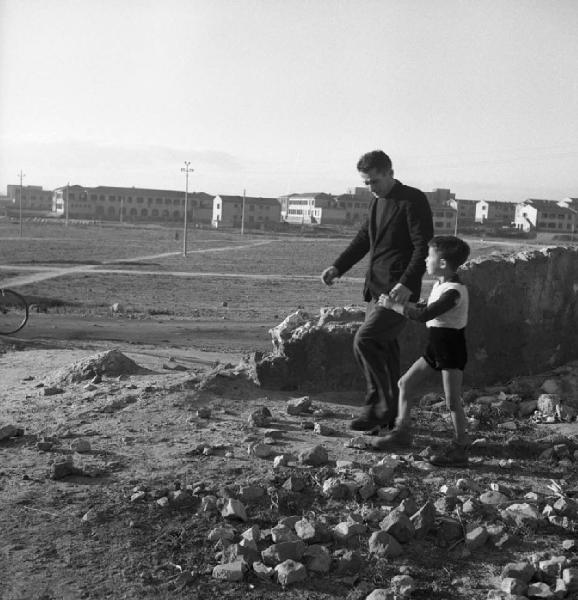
[{"x": 44, "y": 273}]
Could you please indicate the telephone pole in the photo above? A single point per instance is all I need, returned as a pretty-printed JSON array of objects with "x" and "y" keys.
[
  {"x": 186, "y": 170},
  {"x": 243, "y": 215},
  {"x": 67, "y": 201},
  {"x": 21, "y": 174}
]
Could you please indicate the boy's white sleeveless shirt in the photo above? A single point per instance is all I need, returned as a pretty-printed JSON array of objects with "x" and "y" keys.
[{"x": 457, "y": 317}]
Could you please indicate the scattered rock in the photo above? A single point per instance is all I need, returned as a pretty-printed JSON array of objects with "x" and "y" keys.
[
  {"x": 317, "y": 559},
  {"x": 381, "y": 594},
  {"x": 548, "y": 404},
  {"x": 403, "y": 585},
  {"x": 234, "y": 509},
  {"x": 384, "y": 544},
  {"x": 322, "y": 429},
  {"x": 278, "y": 553},
  {"x": 513, "y": 586},
  {"x": 290, "y": 571},
  {"x": 234, "y": 571},
  {"x": 347, "y": 562},
  {"x": 399, "y": 525},
  {"x": 260, "y": 417},
  {"x": 8, "y": 430},
  {"x": 315, "y": 456},
  {"x": 298, "y": 406},
  {"x": 81, "y": 446}
]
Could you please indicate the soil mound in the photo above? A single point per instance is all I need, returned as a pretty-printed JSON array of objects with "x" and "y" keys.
[{"x": 111, "y": 363}]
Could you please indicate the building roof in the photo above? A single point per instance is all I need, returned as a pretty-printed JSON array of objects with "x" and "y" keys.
[
  {"x": 308, "y": 195},
  {"x": 105, "y": 189},
  {"x": 499, "y": 203},
  {"x": 466, "y": 201},
  {"x": 543, "y": 205},
  {"x": 230, "y": 199}
]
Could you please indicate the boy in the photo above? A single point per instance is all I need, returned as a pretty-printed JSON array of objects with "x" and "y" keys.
[{"x": 446, "y": 316}]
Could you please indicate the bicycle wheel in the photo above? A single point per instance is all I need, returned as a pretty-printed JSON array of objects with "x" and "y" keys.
[{"x": 13, "y": 312}]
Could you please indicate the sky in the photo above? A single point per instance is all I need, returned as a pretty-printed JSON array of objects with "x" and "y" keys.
[{"x": 283, "y": 96}]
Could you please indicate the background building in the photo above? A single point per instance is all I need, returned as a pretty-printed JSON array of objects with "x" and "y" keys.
[
  {"x": 34, "y": 199},
  {"x": 545, "y": 215},
  {"x": 262, "y": 213},
  {"x": 131, "y": 204},
  {"x": 466, "y": 212},
  {"x": 444, "y": 213},
  {"x": 355, "y": 204},
  {"x": 312, "y": 209},
  {"x": 494, "y": 213}
]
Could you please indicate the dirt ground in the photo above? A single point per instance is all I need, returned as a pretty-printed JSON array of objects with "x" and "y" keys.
[
  {"x": 86, "y": 535},
  {"x": 102, "y": 487}
]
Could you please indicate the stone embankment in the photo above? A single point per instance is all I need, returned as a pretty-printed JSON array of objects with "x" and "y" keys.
[{"x": 523, "y": 319}]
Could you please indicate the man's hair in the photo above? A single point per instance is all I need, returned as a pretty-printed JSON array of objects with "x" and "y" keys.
[
  {"x": 451, "y": 248},
  {"x": 376, "y": 159}
]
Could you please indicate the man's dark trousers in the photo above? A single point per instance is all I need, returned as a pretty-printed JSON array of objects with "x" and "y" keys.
[{"x": 376, "y": 350}]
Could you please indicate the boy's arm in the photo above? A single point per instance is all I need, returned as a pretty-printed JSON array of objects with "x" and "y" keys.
[{"x": 423, "y": 313}]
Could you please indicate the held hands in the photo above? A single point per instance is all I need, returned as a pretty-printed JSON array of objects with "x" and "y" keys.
[
  {"x": 386, "y": 301},
  {"x": 329, "y": 275},
  {"x": 400, "y": 294}
]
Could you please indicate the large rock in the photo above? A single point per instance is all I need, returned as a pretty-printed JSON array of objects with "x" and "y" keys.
[
  {"x": 111, "y": 363},
  {"x": 522, "y": 319}
]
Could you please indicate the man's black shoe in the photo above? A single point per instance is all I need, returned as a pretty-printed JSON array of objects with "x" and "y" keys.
[{"x": 369, "y": 422}]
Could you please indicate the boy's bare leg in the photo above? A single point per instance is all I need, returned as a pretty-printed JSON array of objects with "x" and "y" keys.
[
  {"x": 452, "y": 382},
  {"x": 407, "y": 389},
  {"x": 401, "y": 436}
]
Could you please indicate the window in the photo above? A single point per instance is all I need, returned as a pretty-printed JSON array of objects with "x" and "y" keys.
[{"x": 93, "y": 197}]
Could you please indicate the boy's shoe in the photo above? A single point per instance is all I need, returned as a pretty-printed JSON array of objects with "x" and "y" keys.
[
  {"x": 454, "y": 456},
  {"x": 396, "y": 438}
]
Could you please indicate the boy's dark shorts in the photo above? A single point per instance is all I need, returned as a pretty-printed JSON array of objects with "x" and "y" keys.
[{"x": 446, "y": 349}]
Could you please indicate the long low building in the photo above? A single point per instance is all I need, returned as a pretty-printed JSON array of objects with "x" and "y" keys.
[
  {"x": 131, "y": 204},
  {"x": 251, "y": 212}
]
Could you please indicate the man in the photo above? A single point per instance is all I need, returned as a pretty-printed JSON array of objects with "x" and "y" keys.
[{"x": 396, "y": 235}]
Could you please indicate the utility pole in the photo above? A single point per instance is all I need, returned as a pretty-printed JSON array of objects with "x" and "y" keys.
[
  {"x": 243, "y": 214},
  {"x": 67, "y": 202},
  {"x": 21, "y": 174},
  {"x": 457, "y": 215},
  {"x": 186, "y": 170},
  {"x": 121, "y": 208}
]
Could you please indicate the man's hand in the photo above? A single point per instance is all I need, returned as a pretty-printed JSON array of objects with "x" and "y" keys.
[
  {"x": 329, "y": 275},
  {"x": 400, "y": 293},
  {"x": 385, "y": 301}
]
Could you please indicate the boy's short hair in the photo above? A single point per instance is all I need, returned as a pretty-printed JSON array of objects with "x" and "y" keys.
[
  {"x": 376, "y": 159},
  {"x": 451, "y": 248}
]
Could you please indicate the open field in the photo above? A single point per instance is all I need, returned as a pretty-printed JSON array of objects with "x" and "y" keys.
[{"x": 259, "y": 277}]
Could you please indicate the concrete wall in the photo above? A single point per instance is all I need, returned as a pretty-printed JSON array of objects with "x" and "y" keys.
[{"x": 523, "y": 319}]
